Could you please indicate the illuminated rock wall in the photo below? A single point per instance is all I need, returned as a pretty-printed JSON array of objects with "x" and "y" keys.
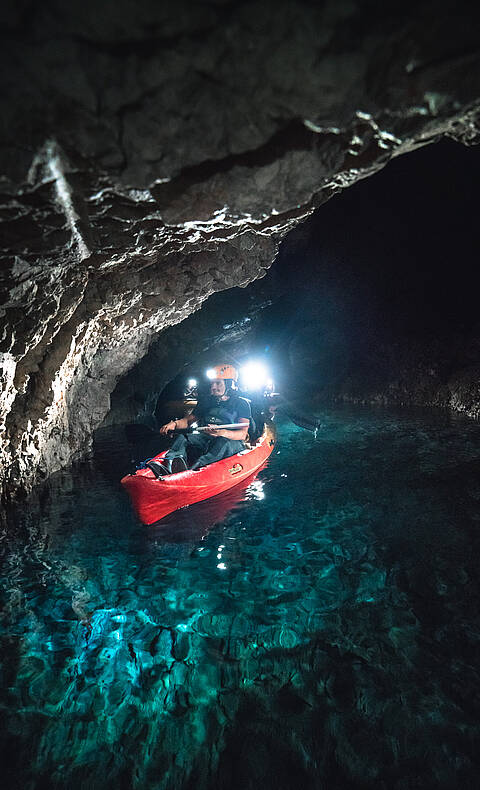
[{"x": 155, "y": 153}]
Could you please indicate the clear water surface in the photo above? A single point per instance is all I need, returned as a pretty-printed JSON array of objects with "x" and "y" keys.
[{"x": 317, "y": 629}]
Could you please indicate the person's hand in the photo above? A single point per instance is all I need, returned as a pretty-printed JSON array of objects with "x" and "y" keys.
[
  {"x": 212, "y": 430},
  {"x": 169, "y": 426}
]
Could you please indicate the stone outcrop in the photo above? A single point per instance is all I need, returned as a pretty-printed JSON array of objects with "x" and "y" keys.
[{"x": 153, "y": 154}]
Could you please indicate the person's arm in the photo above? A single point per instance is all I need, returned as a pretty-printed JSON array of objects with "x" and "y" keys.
[
  {"x": 178, "y": 425},
  {"x": 234, "y": 433}
]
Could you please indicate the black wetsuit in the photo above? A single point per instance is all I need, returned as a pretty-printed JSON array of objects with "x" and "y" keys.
[{"x": 212, "y": 411}]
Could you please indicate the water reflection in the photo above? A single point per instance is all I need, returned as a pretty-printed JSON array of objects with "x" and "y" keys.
[
  {"x": 194, "y": 522},
  {"x": 255, "y": 490},
  {"x": 317, "y": 626}
]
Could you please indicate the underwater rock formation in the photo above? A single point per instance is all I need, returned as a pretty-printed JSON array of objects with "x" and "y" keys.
[{"x": 153, "y": 154}]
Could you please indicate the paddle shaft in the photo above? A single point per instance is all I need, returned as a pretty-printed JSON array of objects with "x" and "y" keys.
[
  {"x": 138, "y": 432},
  {"x": 222, "y": 427}
]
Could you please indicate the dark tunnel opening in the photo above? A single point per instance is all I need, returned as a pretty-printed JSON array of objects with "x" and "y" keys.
[{"x": 378, "y": 286}]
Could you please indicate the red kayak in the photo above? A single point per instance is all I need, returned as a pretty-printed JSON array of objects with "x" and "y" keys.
[{"x": 153, "y": 498}]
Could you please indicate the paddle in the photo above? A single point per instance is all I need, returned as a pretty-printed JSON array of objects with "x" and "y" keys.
[
  {"x": 303, "y": 420},
  {"x": 226, "y": 427},
  {"x": 137, "y": 432},
  {"x": 298, "y": 416}
]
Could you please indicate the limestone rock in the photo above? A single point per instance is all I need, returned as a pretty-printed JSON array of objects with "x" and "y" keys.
[{"x": 153, "y": 154}]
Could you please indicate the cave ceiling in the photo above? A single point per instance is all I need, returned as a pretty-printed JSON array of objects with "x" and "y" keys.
[{"x": 154, "y": 153}]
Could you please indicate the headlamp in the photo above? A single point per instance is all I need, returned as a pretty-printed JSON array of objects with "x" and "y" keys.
[{"x": 254, "y": 376}]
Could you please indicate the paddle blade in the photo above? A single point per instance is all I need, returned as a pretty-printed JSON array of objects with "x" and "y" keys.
[
  {"x": 307, "y": 421},
  {"x": 136, "y": 432}
]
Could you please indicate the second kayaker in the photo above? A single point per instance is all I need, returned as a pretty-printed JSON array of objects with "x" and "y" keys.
[{"x": 223, "y": 406}]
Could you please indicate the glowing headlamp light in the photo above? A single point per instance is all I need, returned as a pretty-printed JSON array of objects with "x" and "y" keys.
[
  {"x": 191, "y": 383},
  {"x": 255, "y": 376},
  {"x": 211, "y": 373}
]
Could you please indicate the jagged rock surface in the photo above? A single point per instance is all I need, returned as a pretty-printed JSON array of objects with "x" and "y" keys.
[{"x": 155, "y": 153}]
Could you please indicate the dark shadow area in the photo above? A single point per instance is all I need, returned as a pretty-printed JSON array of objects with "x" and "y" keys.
[{"x": 384, "y": 269}]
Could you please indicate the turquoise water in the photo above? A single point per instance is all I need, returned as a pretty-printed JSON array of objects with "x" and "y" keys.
[{"x": 317, "y": 629}]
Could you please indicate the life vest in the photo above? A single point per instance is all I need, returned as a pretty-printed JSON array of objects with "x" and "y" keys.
[{"x": 214, "y": 411}]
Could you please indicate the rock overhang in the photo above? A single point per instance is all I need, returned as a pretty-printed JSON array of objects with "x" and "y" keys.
[{"x": 153, "y": 158}]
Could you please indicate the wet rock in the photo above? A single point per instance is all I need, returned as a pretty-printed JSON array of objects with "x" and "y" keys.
[{"x": 150, "y": 159}]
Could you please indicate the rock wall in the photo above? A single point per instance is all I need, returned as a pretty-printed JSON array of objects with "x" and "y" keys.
[
  {"x": 229, "y": 326},
  {"x": 153, "y": 154}
]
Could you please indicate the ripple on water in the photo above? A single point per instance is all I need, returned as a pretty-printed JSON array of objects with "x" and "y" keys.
[{"x": 318, "y": 627}]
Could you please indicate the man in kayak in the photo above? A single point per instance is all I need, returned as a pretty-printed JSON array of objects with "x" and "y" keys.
[{"x": 221, "y": 407}]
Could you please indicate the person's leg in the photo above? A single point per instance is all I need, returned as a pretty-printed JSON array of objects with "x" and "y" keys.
[
  {"x": 183, "y": 442},
  {"x": 178, "y": 448},
  {"x": 218, "y": 448},
  {"x": 197, "y": 444}
]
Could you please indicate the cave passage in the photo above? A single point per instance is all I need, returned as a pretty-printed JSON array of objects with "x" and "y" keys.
[
  {"x": 187, "y": 184},
  {"x": 372, "y": 300},
  {"x": 317, "y": 625}
]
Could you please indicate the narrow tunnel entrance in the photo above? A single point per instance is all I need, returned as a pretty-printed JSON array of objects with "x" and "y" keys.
[{"x": 372, "y": 300}]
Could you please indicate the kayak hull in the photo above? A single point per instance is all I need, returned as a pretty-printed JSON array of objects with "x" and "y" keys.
[{"x": 154, "y": 498}]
